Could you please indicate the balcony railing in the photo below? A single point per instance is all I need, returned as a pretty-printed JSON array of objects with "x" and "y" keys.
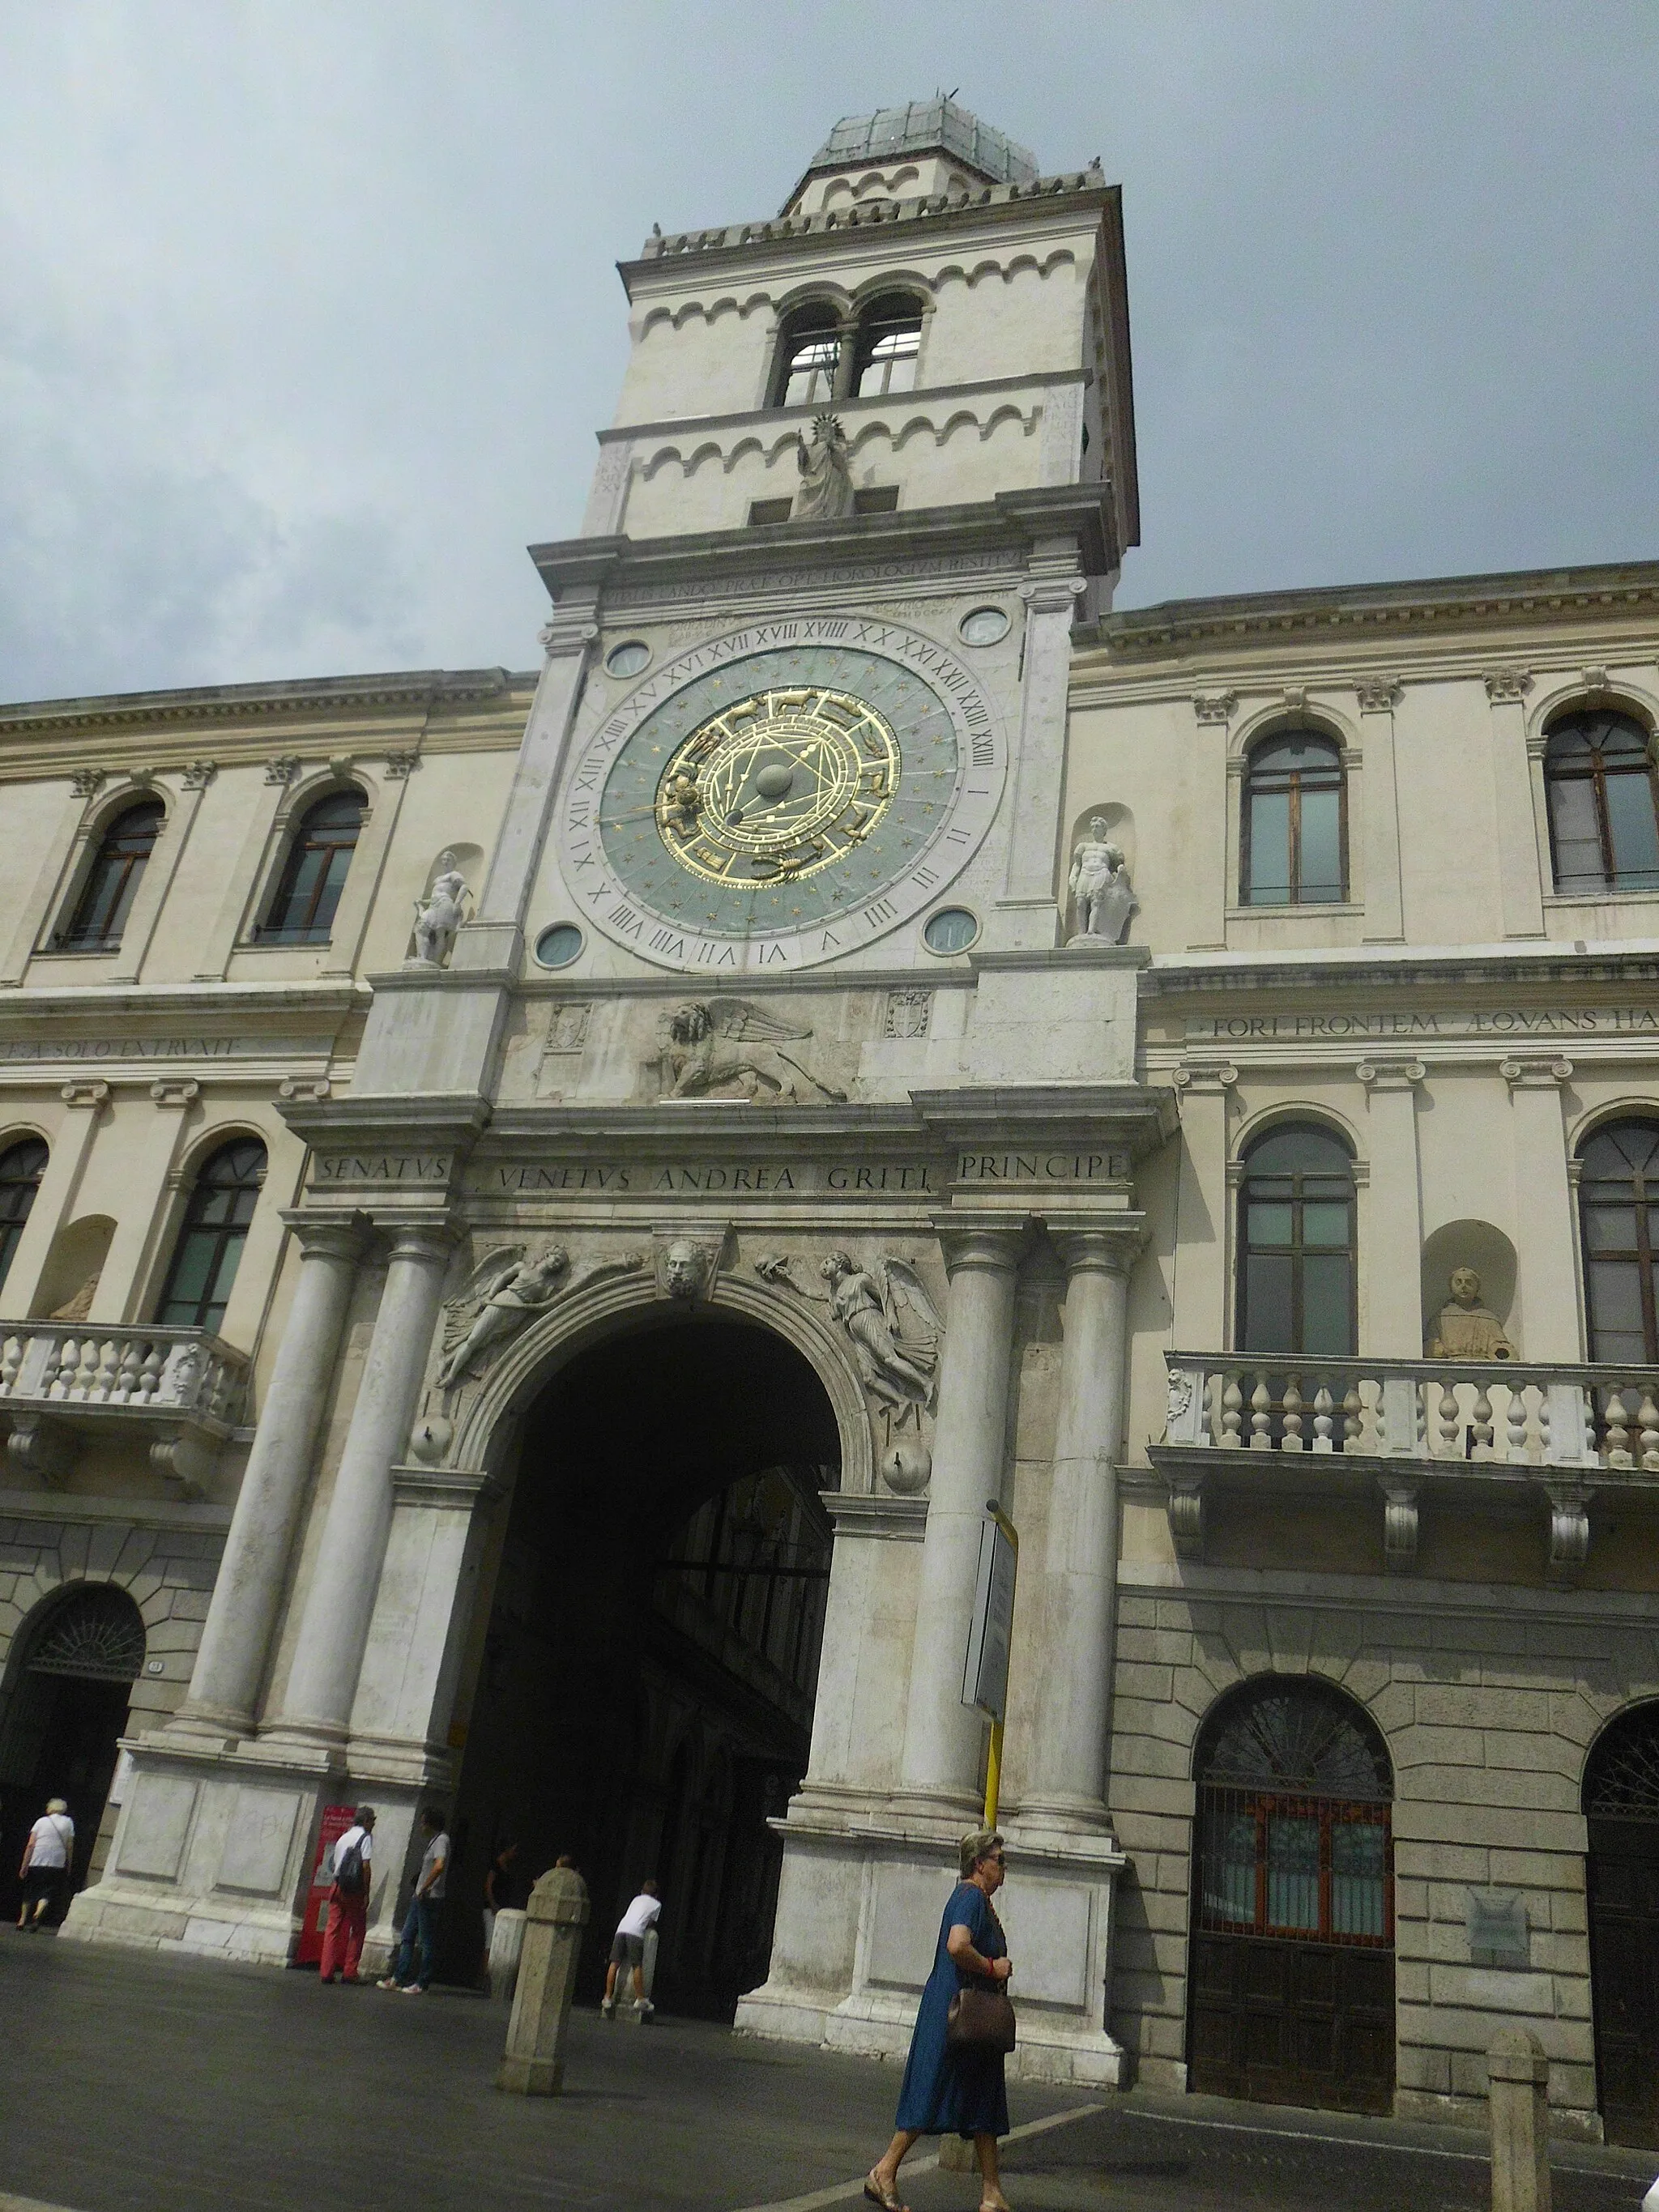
[
  {"x": 61, "y": 1381},
  {"x": 1497, "y": 1425}
]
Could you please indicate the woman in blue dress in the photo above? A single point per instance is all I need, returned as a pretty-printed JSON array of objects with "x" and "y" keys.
[{"x": 957, "y": 2092}]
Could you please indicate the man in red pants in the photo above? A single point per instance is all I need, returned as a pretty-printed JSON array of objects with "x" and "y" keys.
[{"x": 348, "y": 1899}]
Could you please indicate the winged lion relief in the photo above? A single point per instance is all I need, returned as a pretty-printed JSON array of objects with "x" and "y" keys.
[{"x": 732, "y": 1049}]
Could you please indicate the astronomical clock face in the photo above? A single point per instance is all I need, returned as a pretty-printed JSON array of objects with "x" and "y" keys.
[{"x": 761, "y": 803}]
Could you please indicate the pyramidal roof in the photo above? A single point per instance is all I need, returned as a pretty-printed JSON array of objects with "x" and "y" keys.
[{"x": 925, "y": 126}]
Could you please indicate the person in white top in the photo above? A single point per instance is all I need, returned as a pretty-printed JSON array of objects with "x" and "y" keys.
[
  {"x": 350, "y": 1865},
  {"x": 627, "y": 1949},
  {"x": 44, "y": 1871}
]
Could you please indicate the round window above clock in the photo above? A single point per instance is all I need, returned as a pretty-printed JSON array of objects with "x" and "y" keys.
[{"x": 781, "y": 796}]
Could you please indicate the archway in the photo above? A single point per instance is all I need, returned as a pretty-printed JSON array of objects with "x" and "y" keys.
[
  {"x": 1621, "y": 1806},
  {"x": 1292, "y": 1956},
  {"x": 64, "y": 1707},
  {"x": 645, "y": 1694}
]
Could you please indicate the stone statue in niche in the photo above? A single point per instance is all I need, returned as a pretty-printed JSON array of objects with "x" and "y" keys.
[
  {"x": 1464, "y": 1329},
  {"x": 825, "y": 491},
  {"x": 730, "y": 1048},
  {"x": 503, "y": 1293},
  {"x": 440, "y": 913},
  {"x": 78, "y": 1307},
  {"x": 893, "y": 1325},
  {"x": 1102, "y": 895}
]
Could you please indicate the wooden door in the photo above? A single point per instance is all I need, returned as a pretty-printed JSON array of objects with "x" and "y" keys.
[
  {"x": 1292, "y": 2023},
  {"x": 1624, "y": 1930}
]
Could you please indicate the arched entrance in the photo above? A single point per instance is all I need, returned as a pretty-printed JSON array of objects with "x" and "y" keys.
[
  {"x": 645, "y": 1694},
  {"x": 64, "y": 1707},
  {"x": 1292, "y": 1958},
  {"x": 1621, "y": 1806}
]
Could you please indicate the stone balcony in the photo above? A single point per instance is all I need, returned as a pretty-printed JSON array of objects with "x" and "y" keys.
[
  {"x": 1486, "y": 1436},
  {"x": 180, "y": 1391}
]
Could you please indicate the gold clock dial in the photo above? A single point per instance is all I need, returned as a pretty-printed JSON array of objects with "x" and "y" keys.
[{"x": 781, "y": 784}]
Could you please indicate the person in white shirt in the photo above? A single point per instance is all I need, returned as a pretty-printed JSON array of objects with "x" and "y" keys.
[
  {"x": 44, "y": 1871},
  {"x": 627, "y": 1949},
  {"x": 349, "y": 1863},
  {"x": 411, "y": 1964}
]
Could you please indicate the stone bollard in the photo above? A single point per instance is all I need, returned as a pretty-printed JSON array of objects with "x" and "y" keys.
[
  {"x": 1519, "y": 2074},
  {"x": 506, "y": 1948},
  {"x": 959, "y": 2155},
  {"x": 532, "y": 2064}
]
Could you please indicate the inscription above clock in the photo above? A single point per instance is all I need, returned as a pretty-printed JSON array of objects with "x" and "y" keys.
[{"x": 781, "y": 795}]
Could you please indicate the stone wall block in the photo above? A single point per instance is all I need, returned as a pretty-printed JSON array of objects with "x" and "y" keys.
[
  {"x": 1152, "y": 1793},
  {"x": 1517, "y": 1869},
  {"x": 1145, "y": 1643},
  {"x": 1411, "y": 1981},
  {"x": 1159, "y": 1755},
  {"x": 1442, "y": 1862},
  {"x": 103, "y": 1550},
  {"x": 1420, "y": 2066},
  {"x": 1410, "y": 1898},
  {"x": 190, "y": 1605},
  {"x": 1573, "y": 1716},
  {"x": 1431, "y": 1746},
  {"x": 1202, "y": 1615},
  {"x": 1290, "y": 1635},
  {"x": 1135, "y": 1609},
  {"x": 1570, "y": 1913},
  {"x": 74, "y": 1545},
  {"x": 1156, "y": 1684},
  {"x": 1249, "y": 1637},
  {"x": 137, "y": 1548}
]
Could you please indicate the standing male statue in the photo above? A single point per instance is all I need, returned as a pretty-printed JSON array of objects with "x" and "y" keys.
[
  {"x": 440, "y": 913},
  {"x": 1100, "y": 887}
]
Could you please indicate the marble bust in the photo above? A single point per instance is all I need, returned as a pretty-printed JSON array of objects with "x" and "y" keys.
[{"x": 1464, "y": 1329}]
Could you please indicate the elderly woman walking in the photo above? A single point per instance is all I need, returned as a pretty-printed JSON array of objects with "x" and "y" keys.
[{"x": 956, "y": 2088}]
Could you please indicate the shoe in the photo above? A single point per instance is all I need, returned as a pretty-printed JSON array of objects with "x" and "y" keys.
[
  {"x": 414, "y": 1988},
  {"x": 608, "y": 2008},
  {"x": 644, "y": 2007},
  {"x": 389, "y": 1983}
]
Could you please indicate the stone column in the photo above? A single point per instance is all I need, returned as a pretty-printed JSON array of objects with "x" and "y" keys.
[
  {"x": 943, "y": 1737},
  {"x": 1394, "y": 1253},
  {"x": 1065, "y": 1782},
  {"x": 340, "y": 1603},
  {"x": 236, "y": 1636}
]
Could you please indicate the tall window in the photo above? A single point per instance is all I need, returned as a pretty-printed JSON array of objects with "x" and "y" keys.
[
  {"x": 314, "y": 874},
  {"x": 1617, "y": 1203},
  {"x": 118, "y": 869},
  {"x": 889, "y": 341},
  {"x": 1603, "y": 805},
  {"x": 210, "y": 1247},
  {"x": 1295, "y": 1245},
  {"x": 1295, "y": 829},
  {"x": 21, "y": 1169},
  {"x": 809, "y": 356}
]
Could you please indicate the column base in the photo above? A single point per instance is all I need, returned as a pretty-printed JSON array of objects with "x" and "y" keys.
[
  {"x": 859, "y": 1908},
  {"x": 214, "y": 1847}
]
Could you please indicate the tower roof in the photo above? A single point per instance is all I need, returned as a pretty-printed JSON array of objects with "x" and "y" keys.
[{"x": 925, "y": 126}]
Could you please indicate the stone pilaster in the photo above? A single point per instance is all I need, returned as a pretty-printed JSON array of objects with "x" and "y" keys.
[{"x": 1394, "y": 1275}]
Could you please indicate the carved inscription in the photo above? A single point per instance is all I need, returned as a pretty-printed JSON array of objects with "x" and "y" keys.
[
  {"x": 1042, "y": 1167},
  {"x": 383, "y": 1167},
  {"x": 761, "y": 1178},
  {"x": 1494, "y": 1022}
]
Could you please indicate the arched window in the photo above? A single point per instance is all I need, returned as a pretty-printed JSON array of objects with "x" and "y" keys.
[
  {"x": 889, "y": 341},
  {"x": 1295, "y": 823},
  {"x": 314, "y": 874},
  {"x": 1296, "y": 1244},
  {"x": 21, "y": 1169},
  {"x": 1619, "y": 1221},
  {"x": 112, "y": 884},
  {"x": 809, "y": 356},
  {"x": 1603, "y": 803},
  {"x": 210, "y": 1247},
  {"x": 1292, "y": 1966}
]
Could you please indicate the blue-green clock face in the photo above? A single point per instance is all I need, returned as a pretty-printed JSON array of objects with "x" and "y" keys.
[{"x": 784, "y": 803}]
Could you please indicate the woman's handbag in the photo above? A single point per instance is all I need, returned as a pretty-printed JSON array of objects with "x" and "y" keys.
[{"x": 980, "y": 2018}]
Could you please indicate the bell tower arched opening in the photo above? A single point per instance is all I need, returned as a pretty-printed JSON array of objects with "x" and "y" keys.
[{"x": 645, "y": 1686}]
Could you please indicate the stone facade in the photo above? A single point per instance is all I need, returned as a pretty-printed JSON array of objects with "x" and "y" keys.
[{"x": 964, "y": 1170}]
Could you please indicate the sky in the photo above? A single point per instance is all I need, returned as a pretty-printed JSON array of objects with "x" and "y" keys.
[{"x": 309, "y": 310}]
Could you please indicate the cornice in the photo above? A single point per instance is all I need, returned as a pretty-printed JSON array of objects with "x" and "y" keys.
[
  {"x": 417, "y": 689},
  {"x": 1370, "y": 611},
  {"x": 1077, "y": 190},
  {"x": 1011, "y": 518},
  {"x": 800, "y": 417},
  {"x": 140, "y": 1002},
  {"x": 1368, "y": 968}
]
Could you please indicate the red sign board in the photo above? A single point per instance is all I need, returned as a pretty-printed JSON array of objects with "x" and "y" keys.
[{"x": 337, "y": 1819}]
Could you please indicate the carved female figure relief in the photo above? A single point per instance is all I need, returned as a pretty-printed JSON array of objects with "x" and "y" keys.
[
  {"x": 891, "y": 1321},
  {"x": 504, "y": 1293}
]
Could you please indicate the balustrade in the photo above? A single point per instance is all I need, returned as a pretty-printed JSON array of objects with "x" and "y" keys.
[{"x": 175, "y": 1371}]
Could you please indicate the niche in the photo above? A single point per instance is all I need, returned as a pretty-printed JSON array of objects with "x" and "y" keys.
[
  {"x": 467, "y": 860},
  {"x": 1474, "y": 1244},
  {"x": 74, "y": 1264}
]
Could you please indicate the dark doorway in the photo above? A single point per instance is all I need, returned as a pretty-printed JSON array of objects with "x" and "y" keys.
[
  {"x": 645, "y": 1699},
  {"x": 64, "y": 1704},
  {"x": 1621, "y": 1803},
  {"x": 1292, "y": 1961}
]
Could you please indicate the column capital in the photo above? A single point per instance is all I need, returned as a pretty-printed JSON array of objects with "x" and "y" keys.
[
  {"x": 1205, "y": 1078},
  {"x": 994, "y": 1247},
  {"x": 89, "y": 1096},
  {"x": 1379, "y": 694},
  {"x": 1507, "y": 687},
  {"x": 1535, "y": 1074},
  {"x": 1097, "y": 1248},
  {"x": 329, "y": 1235},
  {"x": 1214, "y": 706},
  {"x": 1391, "y": 1074}
]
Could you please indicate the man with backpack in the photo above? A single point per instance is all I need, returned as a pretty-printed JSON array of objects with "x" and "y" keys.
[{"x": 348, "y": 1900}]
